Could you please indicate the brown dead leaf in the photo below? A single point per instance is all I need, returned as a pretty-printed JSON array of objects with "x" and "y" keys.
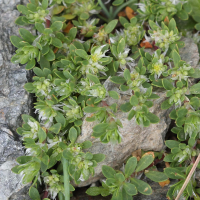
[
  {"x": 166, "y": 20},
  {"x": 122, "y": 14},
  {"x": 164, "y": 183},
  {"x": 55, "y": 50},
  {"x": 129, "y": 12},
  {"x": 150, "y": 153},
  {"x": 69, "y": 26},
  {"x": 167, "y": 164},
  {"x": 146, "y": 44},
  {"x": 137, "y": 154},
  {"x": 198, "y": 141}
]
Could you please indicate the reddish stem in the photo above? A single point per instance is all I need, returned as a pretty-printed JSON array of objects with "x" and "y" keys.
[
  {"x": 48, "y": 23},
  {"x": 45, "y": 194},
  {"x": 104, "y": 103},
  {"x": 154, "y": 46}
]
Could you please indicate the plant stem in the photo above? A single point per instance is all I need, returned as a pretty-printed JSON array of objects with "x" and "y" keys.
[
  {"x": 66, "y": 178},
  {"x": 61, "y": 196},
  {"x": 104, "y": 8},
  {"x": 188, "y": 177},
  {"x": 121, "y": 7},
  {"x": 103, "y": 18}
]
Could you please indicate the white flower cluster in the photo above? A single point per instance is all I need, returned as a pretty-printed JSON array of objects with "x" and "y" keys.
[
  {"x": 94, "y": 65},
  {"x": 163, "y": 38}
]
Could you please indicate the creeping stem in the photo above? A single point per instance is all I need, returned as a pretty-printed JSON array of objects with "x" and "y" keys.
[
  {"x": 66, "y": 178},
  {"x": 104, "y": 9}
]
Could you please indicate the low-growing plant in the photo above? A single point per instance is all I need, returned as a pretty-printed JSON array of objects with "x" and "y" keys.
[{"x": 71, "y": 63}]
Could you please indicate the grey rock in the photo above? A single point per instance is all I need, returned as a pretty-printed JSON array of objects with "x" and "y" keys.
[
  {"x": 10, "y": 183},
  {"x": 158, "y": 193},
  {"x": 190, "y": 52},
  {"x": 133, "y": 136},
  {"x": 14, "y": 101}
]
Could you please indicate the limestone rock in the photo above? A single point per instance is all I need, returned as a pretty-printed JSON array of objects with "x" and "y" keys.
[
  {"x": 134, "y": 137},
  {"x": 158, "y": 193},
  {"x": 14, "y": 101}
]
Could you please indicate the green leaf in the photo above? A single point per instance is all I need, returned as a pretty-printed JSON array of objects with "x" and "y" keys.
[
  {"x": 100, "y": 127},
  {"x": 87, "y": 144},
  {"x": 99, "y": 157},
  {"x": 24, "y": 159},
  {"x": 123, "y": 21},
  {"x": 55, "y": 128},
  {"x": 174, "y": 173},
  {"x": 187, "y": 7},
  {"x": 90, "y": 109},
  {"x": 16, "y": 41},
  {"x": 57, "y": 26},
  {"x": 67, "y": 154},
  {"x": 191, "y": 142},
  {"x": 119, "y": 177},
  {"x": 130, "y": 166},
  {"x": 72, "y": 33},
  {"x": 195, "y": 89},
  {"x": 73, "y": 134},
  {"x": 152, "y": 118},
  {"x": 94, "y": 191},
  {"x": 130, "y": 189},
  {"x": 121, "y": 46},
  {"x": 23, "y": 9},
  {"x": 172, "y": 143},
  {"x": 197, "y": 26},
  {"x": 30, "y": 64},
  {"x": 56, "y": 42},
  {"x": 39, "y": 27},
  {"x": 134, "y": 100},
  {"x": 176, "y": 58},
  {"x": 182, "y": 15},
  {"x": 50, "y": 56},
  {"x": 156, "y": 176},
  {"x": 172, "y": 25},
  {"x": 117, "y": 2},
  {"x": 165, "y": 105},
  {"x": 108, "y": 172},
  {"x": 141, "y": 186},
  {"x": 168, "y": 158},
  {"x": 182, "y": 112},
  {"x": 118, "y": 79},
  {"x": 127, "y": 74},
  {"x": 26, "y": 35},
  {"x": 92, "y": 77},
  {"x": 60, "y": 119},
  {"x": 131, "y": 114},
  {"x": 167, "y": 84},
  {"x": 84, "y": 16},
  {"x": 126, "y": 107},
  {"x": 42, "y": 135},
  {"x": 114, "y": 94},
  {"x": 144, "y": 162},
  {"x": 173, "y": 114},
  {"x": 45, "y": 4},
  {"x": 34, "y": 194},
  {"x": 82, "y": 53},
  {"x": 110, "y": 26}
]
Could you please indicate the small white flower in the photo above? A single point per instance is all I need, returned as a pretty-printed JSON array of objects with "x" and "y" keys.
[
  {"x": 124, "y": 60},
  {"x": 119, "y": 34},
  {"x": 142, "y": 6}
]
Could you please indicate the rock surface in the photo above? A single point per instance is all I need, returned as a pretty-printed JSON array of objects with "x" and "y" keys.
[
  {"x": 14, "y": 101},
  {"x": 134, "y": 137}
]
